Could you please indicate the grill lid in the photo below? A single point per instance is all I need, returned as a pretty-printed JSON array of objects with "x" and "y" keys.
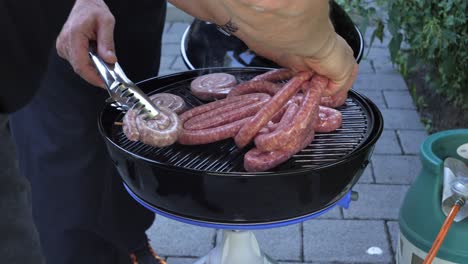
[{"x": 224, "y": 157}]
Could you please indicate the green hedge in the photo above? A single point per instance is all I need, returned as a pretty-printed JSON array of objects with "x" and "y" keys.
[
  {"x": 436, "y": 32},
  {"x": 435, "y": 39}
]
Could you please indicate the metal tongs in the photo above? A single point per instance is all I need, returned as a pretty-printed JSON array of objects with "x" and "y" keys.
[{"x": 124, "y": 94}]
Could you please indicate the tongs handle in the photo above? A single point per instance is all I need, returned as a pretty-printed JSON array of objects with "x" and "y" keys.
[
  {"x": 121, "y": 89},
  {"x": 111, "y": 74}
]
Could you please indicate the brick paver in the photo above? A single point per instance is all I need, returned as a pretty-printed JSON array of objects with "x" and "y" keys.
[
  {"x": 411, "y": 140},
  {"x": 339, "y": 236},
  {"x": 376, "y": 201},
  {"x": 395, "y": 169},
  {"x": 345, "y": 241},
  {"x": 171, "y": 238}
]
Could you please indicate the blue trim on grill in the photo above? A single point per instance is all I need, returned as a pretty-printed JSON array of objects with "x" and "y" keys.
[{"x": 343, "y": 202}]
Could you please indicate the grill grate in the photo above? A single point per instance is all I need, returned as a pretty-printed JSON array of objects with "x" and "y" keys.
[{"x": 224, "y": 156}]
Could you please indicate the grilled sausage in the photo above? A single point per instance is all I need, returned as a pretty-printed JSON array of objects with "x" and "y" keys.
[
  {"x": 275, "y": 75},
  {"x": 253, "y": 126},
  {"x": 255, "y": 87},
  {"x": 304, "y": 118},
  {"x": 329, "y": 120},
  {"x": 212, "y": 86}
]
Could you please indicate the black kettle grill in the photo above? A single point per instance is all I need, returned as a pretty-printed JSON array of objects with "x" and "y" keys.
[{"x": 206, "y": 185}]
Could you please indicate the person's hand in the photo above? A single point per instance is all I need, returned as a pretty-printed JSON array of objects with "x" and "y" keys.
[
  {"x": 295, "y": 34},
  {"x": 89, "y": 20}
]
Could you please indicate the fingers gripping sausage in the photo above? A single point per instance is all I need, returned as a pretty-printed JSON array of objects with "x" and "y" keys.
[
  {"x": 212, "y": 86},
  {"x": 251, "y": 128},
  {"x": 329, "y": 120}
]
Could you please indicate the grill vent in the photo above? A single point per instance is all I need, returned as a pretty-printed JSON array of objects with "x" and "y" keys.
[{"x": 224, "y": 156}]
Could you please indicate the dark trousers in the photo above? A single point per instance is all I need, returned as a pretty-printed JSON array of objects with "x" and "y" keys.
[{"x": 80, "y": 207}]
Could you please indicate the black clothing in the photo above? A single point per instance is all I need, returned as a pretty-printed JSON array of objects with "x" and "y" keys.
[
  {"x": 28, "y": 31},
  {"x": 80, "y": 207}
]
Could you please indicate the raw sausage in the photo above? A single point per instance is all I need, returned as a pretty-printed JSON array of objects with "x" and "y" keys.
[
  {"x": 255, "y": 87},
  {"x": 166, "y": 126},
  {"x": 212, "y": 86},
  {"x": 161, "y": 131},
  {"x": 329, "y": 120},
  {"x": 209, "y": 135},
  {"x": 304, "y": 118},
  {"x": 249, "y": 109},
  {"x": 334, "y": 101},
  {"x": 251, "y": 128},
  {"x": 221, "y": 119},
  {"x": 257, "y": 160},
  {"x": 275, "y": 75},
  {"x": 210, "y": 106},
  {"x": 168, "y": 100}
]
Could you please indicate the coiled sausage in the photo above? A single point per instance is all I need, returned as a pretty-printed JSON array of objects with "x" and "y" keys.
[{"x": 212, "y": 86}]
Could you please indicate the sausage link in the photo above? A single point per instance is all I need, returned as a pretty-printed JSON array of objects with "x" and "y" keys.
[
  {"x": 301, "y": 121},
  {"x": 209, "y": 135},
  {"x": 329, "y": 120},
  {"x": 255, "y": 87},
  {"x": 251, "y": 128},
  {"x": 257, "y": 160},
  {"x": 275, "y": 75},
  {"x": 250, "y": 109},
  {"x": 212, "y": 105}
]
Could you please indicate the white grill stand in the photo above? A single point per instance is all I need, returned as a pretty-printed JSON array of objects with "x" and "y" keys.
[{"x": 237, "y": 247}]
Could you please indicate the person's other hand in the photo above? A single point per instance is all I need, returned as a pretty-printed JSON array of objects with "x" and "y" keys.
[
  {"x": 295, "y": 34},
  {"x": 89, "y": 20}
]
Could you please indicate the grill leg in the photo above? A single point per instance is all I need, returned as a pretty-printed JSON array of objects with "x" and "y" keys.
[{"x": 236, "y": 247}]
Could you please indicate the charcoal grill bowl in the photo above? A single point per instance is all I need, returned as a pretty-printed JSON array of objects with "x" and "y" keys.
[
  {"x": 202, "y": 45},
  {"x": 236, "y": 199}
]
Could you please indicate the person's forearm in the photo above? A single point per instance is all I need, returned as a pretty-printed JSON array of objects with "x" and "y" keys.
[
  {"x": 206, "y": 10},
  {"x": 313, "y": 35}
]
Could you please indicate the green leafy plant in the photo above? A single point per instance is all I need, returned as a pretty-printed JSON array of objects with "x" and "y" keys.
[
  {"x": 365, "y": 15},
  {"x": 426, "y": 34},
  {"x": 432, "y": 35}
]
